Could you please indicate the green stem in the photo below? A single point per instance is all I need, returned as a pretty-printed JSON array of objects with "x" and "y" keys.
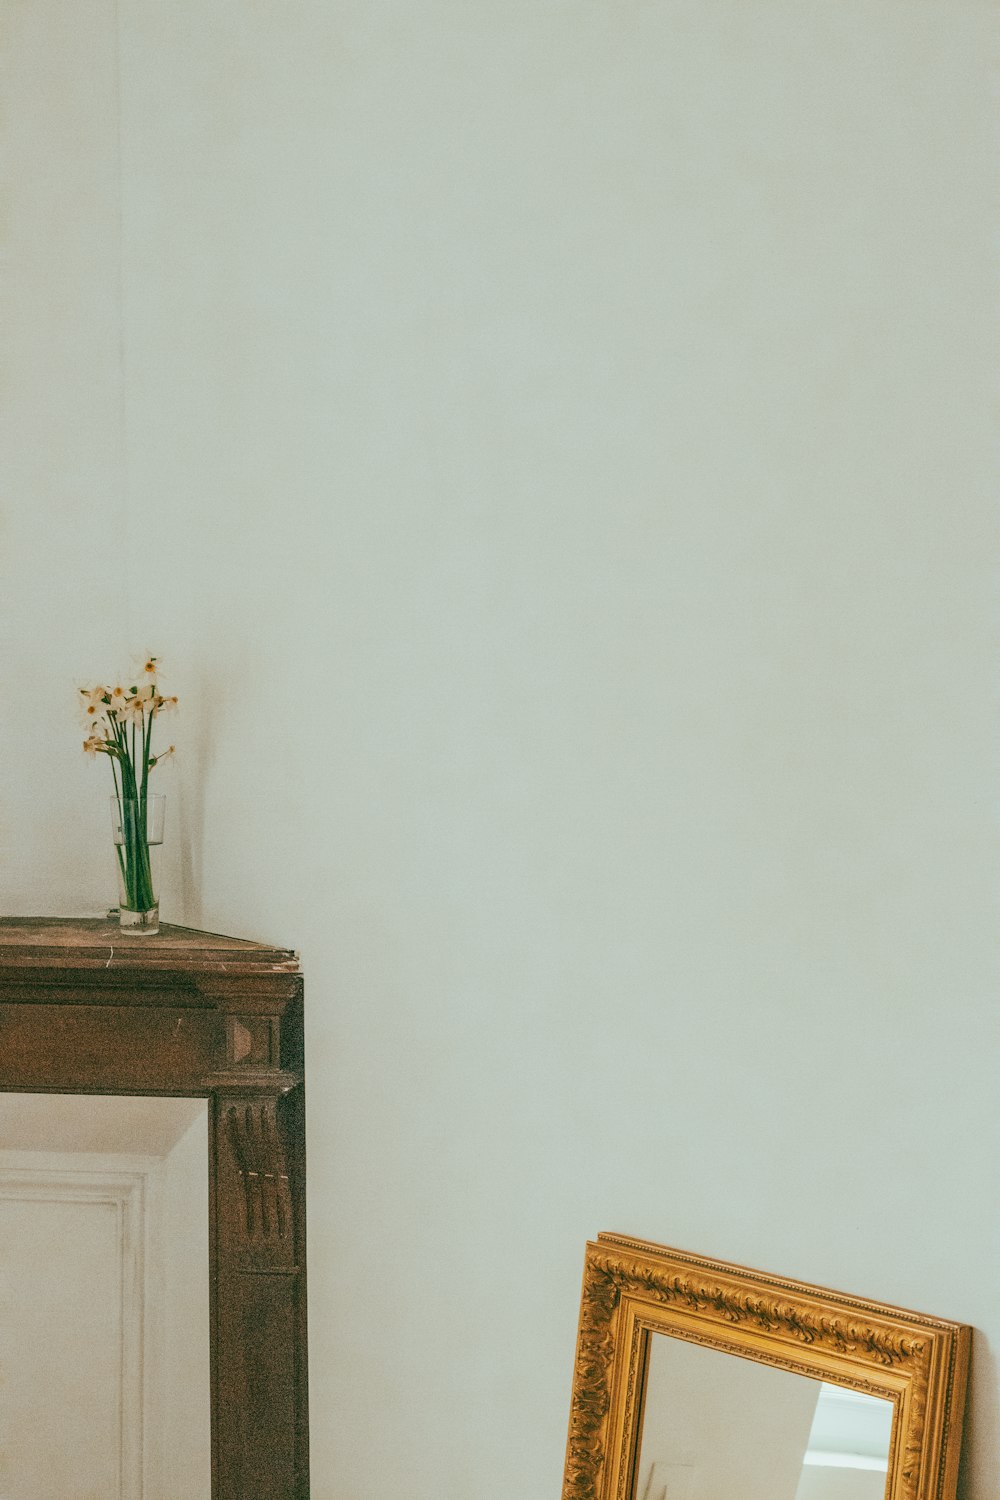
[
  {"x": 133, "y": 850},
  {"x": 146, "y": 743},
  {"x": 122, "y": 868},
  {"x": 134, "y": 858},
  {"x": 128, "y": 764}
]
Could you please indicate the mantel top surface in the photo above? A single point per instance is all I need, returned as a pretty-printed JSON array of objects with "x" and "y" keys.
[{"x": 88, "y": 943}]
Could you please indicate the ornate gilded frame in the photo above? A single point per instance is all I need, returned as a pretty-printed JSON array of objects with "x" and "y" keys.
[{"x": 632, "y": 1289}]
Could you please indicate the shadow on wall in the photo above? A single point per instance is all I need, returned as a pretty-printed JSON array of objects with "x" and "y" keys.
[
  {"x": 199, "y": 756},
  {"x": 982, "y": 1409},
  {"x": 211, "y": 696}
]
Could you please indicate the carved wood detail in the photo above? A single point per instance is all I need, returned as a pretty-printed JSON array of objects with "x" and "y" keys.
[
  {"x": 261, "y": 1162},
  {"x": 770, "y": 1314},
  {"x": 591, "y": 1401},
  {"x": 253, "y": 1040}
]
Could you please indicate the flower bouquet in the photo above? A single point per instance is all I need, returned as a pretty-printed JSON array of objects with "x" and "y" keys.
[{"x": 120, "y": 726}]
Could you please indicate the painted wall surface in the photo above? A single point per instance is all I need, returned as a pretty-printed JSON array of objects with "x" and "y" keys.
[
  {"x": 63, "y": 560},
  {"x": 556, "y": 443}
]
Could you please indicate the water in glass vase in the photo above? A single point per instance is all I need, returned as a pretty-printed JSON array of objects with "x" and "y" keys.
[{"x": 138, "y": 833}]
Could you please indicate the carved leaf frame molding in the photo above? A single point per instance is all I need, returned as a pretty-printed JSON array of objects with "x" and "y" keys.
[{"x": 632, "y": 1289}]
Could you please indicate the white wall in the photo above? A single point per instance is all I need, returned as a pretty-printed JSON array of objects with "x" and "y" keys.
[
  {"x": 63, "y": 558},
  {"x": 558, "y": 453}
]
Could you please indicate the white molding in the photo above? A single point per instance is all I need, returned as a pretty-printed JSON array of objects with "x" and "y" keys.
[{"x": 816, "y": 1458}]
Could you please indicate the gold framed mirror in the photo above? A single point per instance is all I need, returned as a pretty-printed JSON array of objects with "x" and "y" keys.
[{"x": 700, "y": 1380}]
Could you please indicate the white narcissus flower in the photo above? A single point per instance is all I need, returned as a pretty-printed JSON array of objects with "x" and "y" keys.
[
  {"x": 135, "y": 708},
  {"x": 92, "y": 704},
  {"x": 110, "y": 712}
]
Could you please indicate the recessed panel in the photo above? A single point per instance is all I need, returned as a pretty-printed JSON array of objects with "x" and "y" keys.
[{"x": 104, "y": 1300}]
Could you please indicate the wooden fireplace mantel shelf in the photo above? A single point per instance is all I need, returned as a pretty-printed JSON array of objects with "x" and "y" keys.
[
  {"x": 85, "y": 1009},
  {"x": 72, "y": 943}
]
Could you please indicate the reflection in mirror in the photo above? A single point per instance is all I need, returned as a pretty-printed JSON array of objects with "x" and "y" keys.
[
  {"x": 104, "y": 1299},
  {"x": 719, "y": 1428}
]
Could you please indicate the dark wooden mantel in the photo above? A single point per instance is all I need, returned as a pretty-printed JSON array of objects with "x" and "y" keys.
[
  {"x": 85, "y": 1009},
  {"x": 94, "y": 942}
]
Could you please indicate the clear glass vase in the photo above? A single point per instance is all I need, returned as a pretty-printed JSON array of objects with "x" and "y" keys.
[{"x": 138, "y": 834}]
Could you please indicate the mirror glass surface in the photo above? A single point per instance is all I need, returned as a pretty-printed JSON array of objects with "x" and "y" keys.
[
  {"x": 719, "y": 1427},
  {"x": 104, "y": 1298}
]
